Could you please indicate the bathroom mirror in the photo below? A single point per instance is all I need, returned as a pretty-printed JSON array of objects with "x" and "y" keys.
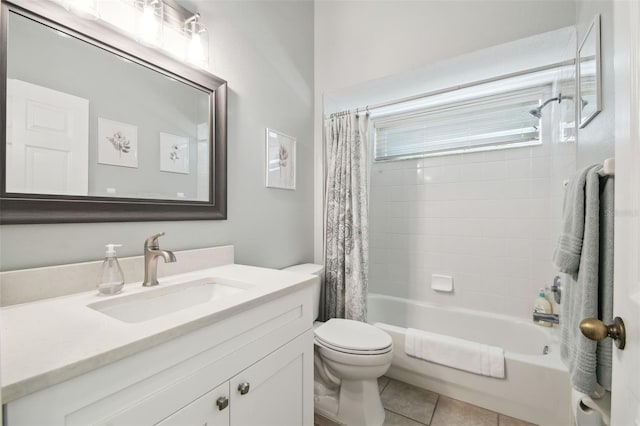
[
  {"x": 97, "y": 132},
  {"x": 589, "y": 74}
]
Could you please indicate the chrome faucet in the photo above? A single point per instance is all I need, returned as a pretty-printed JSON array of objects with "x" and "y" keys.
[
  {"x": 151, "y": 254},
  {"x": 550, "y": 318}
]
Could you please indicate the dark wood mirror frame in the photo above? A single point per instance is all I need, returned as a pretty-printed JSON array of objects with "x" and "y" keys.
[{"x": 36, "y": 208}]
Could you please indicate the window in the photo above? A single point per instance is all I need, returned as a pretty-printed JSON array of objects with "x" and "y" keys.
[{"x": 483, "y": 122}]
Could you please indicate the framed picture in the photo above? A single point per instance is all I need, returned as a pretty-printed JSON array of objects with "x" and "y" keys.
[
  {"x": 117, "y": 143},
  {"x": 280, "y": 155},
  {"x": 174, "y": 153}
]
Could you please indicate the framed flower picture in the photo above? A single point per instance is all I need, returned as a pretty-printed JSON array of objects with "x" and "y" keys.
[
  {"x": 117, "y": 143},
  {"x": 174, "y": 153},
  {"x": 280, "y": 156}
]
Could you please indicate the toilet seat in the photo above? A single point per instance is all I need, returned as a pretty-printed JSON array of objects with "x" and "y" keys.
[
  {"x": 330, "y": 346},
  {"x": 356, "y": 361},
  {"x": 352, "y": 337}
]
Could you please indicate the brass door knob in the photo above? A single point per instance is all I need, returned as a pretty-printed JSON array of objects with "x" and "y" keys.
[{"x": 594, "y": 329}]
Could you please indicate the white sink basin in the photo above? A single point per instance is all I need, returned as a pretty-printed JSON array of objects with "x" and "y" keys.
[{"x": 161, "y": 301}]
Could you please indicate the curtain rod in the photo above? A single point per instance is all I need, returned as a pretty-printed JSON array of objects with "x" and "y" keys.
[
  {"x": 368, "y": 108},
  {"x": 349, "y": 111}
]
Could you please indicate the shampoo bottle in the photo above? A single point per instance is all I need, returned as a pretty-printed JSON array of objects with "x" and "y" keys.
[
  {"x": 111, "y": 279},
  {"x": 542, "y": 305}
]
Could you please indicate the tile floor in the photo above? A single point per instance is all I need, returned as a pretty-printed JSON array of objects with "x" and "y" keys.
[{"x": 407, "y": 405}]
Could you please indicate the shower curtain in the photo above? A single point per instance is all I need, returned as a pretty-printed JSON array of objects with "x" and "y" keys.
[{"x": 346, "y": 217}]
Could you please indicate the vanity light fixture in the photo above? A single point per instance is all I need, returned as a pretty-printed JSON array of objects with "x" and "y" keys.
[
  {"x": 198, "y": 49},
  {"x": 150, "y": 21},
  {"x": 86, "y": 9},
  {"x": 161, "y": 24}
]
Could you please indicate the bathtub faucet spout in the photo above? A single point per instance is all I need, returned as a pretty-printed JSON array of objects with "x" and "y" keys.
[{"x": 550, "y": 318}]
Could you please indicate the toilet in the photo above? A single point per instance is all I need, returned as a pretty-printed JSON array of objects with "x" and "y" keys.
[{"x": 349, "y": 357}]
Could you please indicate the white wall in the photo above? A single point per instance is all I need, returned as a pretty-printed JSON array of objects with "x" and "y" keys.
[
  {"x": 363, "y": 40},
  {"x": 487, "y": 219},
  {"x": 491, "y": 219},
  {"x": 265, "y": 51}
]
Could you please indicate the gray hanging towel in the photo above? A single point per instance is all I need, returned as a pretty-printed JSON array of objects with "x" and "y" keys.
[
  {"x": 604, "y": 353},
  {"x": 588, "y": 288},
  {"x": 567, "y": 253}
]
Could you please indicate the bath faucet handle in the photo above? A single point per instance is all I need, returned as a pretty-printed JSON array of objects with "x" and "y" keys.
[
  {"x": 152, "y": 241},
  {"x": 556, "y": 289}
]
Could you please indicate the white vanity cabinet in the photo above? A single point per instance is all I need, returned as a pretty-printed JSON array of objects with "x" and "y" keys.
[
  {"x": 265, "y": 394},
  {"x": 252, "y": 368}
]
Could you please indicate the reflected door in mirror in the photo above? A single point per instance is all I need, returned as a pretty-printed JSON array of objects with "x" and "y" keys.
[{"x": 47, "y": 134}]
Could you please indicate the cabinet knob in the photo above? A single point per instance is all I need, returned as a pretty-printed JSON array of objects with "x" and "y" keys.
[
  {"x": 243, "y": 388},
  {"x": 222, "y": 402}
]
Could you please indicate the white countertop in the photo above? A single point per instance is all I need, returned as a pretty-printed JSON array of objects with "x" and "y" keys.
[{"x": 49, "y": 341}]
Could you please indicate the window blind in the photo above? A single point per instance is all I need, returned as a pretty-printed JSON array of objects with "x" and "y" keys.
[{"x": 497, "y": 120}]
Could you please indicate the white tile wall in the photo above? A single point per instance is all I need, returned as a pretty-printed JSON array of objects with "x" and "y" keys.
[{"x": 489, "y": 219}]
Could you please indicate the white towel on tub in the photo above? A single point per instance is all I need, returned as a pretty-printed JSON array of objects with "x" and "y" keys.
[{"x": 462, "y": 354}]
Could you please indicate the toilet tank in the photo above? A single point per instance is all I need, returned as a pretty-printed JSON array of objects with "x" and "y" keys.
[{"x": 311, "y": 269}]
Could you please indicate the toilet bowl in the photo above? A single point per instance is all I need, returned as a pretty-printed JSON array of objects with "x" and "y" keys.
[{"x": 349, "y": 358}]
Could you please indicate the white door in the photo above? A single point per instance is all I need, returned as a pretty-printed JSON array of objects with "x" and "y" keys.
[
  {"x": 625, "y": 410},
  {"x": 47, "y": 141}
]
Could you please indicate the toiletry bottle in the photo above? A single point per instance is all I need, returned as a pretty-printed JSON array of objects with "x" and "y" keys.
[
  {"x": 111, "y": 279},
  {"x": 542, "y": 305}
]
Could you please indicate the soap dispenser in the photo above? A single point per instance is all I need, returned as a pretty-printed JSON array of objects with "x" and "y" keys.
[
  {"x": 111, "y": 279},
  {"x": 542, "y": 305}
]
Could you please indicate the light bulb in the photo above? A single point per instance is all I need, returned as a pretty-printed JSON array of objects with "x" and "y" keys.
[
  {"x": 150, "y": 22},
  {"x": 198, "y": 46},
  {"x": 148, "y": 26},
  {"x": 196, "y": 50}
]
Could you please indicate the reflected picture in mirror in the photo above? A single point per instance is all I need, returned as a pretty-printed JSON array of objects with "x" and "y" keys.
[
  {"x": 588, "y": 65},
  {"x": 117, "y": 143},
  {"x": 174, "y": 153}
]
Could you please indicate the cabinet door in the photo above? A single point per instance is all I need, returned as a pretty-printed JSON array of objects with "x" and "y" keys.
[
  {"x": 275, "y": 390},
  {"x": 211, "y": 409}
]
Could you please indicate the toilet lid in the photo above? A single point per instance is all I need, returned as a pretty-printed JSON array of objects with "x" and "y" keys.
[{"x": 351, "y": 335}]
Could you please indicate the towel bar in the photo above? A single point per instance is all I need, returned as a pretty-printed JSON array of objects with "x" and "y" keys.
[{"x": 608, "y": 168}]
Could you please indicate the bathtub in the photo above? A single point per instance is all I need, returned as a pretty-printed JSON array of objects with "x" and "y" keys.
[{"x": 536, "y": 387}]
